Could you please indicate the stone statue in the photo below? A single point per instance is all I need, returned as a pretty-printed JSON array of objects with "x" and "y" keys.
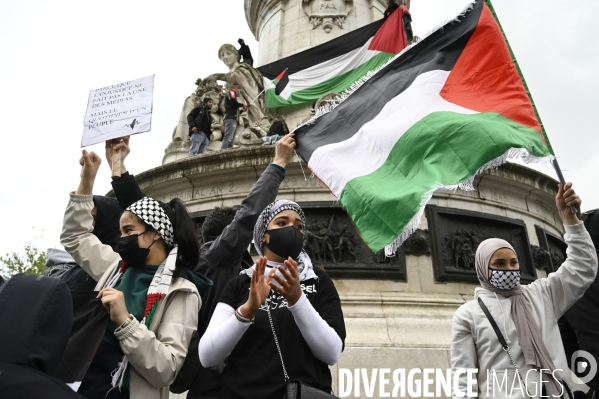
[
  {"x": 327, "y": 12},
  {"x": 346, "y": 244},
  {"x": 327, "y": 235},
  {"x": 463, "y": 253},
  {"x": 312, "y": 242},
  {"x": 255, "y": 122}
]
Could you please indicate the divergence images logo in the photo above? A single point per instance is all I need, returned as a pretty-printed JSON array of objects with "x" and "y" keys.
[{"x": 584, "y": 365}]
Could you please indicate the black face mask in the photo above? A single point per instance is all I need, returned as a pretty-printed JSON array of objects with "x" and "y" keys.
[
  {"x": 130, "y": 251},
  {"x": 286, "y": 242}
]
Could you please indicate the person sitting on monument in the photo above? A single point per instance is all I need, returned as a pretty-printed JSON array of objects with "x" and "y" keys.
[
  {"x": 244, "y": 51},
  {"x": 279, "y": 127},
  {"x": 147, "y": 286},
  {"x": 232, "y": 115},
  {"x": 200, "y": 123},
  {"x": 302, "y": 303},
  {"x": 277, "y": 130},
  {"x": 525, "y": 316}
]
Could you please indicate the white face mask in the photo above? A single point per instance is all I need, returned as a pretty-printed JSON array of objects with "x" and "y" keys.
[{"x": 505, "y": 279}]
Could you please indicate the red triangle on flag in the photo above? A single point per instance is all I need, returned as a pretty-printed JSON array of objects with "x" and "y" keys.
[
  {"x": 391, "y": 36},
  {"x": 485, "y": 78}
]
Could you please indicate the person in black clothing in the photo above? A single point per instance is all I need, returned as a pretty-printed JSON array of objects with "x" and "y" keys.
[
  {"x": 305, "y": 309},
  {"x": 391, "y": 6},
  {"x": 279, "y": 127},
  {"x": 232, "y": 115},
  {"x": 244, "y": 51},
  {"x": 200, "y": 127},
  {"x": 36, "y": 318},
  {"x": 222, "y": 256},
  {"x": 407, "y": 21},
  {"x": 579, "y": 326}
]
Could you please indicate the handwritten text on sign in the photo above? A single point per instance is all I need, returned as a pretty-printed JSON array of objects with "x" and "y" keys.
[{"x": 118, "y": 110}]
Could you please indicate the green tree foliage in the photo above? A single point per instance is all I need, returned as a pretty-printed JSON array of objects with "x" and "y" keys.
[{"x": 30, "y": 261}]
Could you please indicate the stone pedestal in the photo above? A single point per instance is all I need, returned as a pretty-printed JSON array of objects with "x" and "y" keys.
[
  {"x": 398, "y": 312},
  {"x": 286, "y": 27}
]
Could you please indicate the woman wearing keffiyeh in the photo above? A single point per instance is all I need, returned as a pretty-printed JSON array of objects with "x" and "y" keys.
[
  {"x": 147, "y": 287},
  {"x": 525, "y": 315},
  {"x": 305, "y": 309}
]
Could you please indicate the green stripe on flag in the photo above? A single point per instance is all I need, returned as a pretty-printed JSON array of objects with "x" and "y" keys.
[
  {"x": 443, "y": 148},
  {"x": 337, "y": 84}
]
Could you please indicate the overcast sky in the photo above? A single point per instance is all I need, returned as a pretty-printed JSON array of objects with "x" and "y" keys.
[{"x": 53, "y": 53}]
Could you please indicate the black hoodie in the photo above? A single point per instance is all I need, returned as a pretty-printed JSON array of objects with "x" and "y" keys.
[
  {"x": 36, "y": 314},
  {"x": 579, "y": 327}
]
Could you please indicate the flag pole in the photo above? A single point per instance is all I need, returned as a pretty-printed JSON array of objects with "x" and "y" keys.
[
  {"x": 562, "y": 181},
  {"x": 558, "y": 170},
  {"x": 259, "y": 94}
]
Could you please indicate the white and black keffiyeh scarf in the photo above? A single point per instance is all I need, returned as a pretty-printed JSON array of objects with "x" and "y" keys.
[
  {"x": 150, "y": 211},
  {"x": 304, "y": 263}
]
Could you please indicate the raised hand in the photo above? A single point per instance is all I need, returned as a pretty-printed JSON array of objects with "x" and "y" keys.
[
  {"x": 259, "y": 289},
  {"x": 284, "y": 150},
  {"x": 566, "y": 197},
  {"x": 90, "y": 163},
  {"x": 290, "y": 286},
  {"x": 112, "y": 146}
]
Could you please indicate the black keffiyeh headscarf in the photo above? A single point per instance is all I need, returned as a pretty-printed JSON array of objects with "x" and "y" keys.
[{"x": 304, "y": 263}]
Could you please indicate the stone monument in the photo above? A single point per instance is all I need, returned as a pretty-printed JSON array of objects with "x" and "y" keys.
[{"x": 398, "y": 310}]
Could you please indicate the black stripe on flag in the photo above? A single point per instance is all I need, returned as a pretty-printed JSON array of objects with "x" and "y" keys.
[
  {"x": 322, "y": 53},
  {"x": 439, "y": 51},
  {"x": 282, "y": 83}
]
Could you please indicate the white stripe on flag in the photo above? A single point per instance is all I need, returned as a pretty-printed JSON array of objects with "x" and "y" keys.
[
  {"x": 365, "y": 152},
  {"x": 286, "y": 93},
  {"x": 330, "y": 69}
]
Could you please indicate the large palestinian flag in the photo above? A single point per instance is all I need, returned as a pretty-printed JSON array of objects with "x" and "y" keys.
[
  {"x": 335, "y": 65},
  {"x": 446, "y": 109}
]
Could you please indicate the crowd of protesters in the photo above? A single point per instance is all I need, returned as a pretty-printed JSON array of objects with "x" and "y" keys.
[{"x": 135, "y": 307}]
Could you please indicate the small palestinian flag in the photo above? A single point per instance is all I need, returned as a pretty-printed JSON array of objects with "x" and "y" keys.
[
  {"x": 281, "y": 83},
  {"x": 448, "y": 108},
  {"x": 335, "y": 65}
]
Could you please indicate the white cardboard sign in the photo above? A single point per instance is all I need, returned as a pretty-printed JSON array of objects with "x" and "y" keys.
[{"x": 118, "y": 110}]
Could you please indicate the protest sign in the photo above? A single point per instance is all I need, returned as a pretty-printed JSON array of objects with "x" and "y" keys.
[{"x": 118, "y": 110}]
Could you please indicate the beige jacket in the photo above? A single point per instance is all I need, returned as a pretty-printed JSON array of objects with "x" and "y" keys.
[
  {"x": 474, "y": 344},
  {"x": 156, "y": 353}
]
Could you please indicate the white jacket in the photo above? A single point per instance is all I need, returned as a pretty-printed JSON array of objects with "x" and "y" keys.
[
  {"x": 157, "y": 353},
  {"x": 474, "y": 343}
]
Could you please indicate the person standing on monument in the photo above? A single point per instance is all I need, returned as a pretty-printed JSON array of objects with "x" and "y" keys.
[
  {"x": 525, "y": 316},
  {"x": 391, "y": 6},
  {"x": 200, "y": 127},
  {"x": 407, "y": 21},
  {"x": 232, "y": 115},
  {"x": 245, "y": 52}
]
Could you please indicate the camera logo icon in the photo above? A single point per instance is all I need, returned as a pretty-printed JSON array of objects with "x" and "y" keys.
[{"x": 584, "y": 365}]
